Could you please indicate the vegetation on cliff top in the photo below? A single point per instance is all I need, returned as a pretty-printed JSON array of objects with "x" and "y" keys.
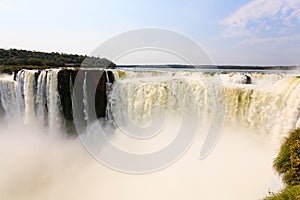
[
  {"x": 287, "y": 164},
  {"x": 16, "y": 59}
]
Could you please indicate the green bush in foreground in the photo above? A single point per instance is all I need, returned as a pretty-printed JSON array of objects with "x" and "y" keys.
[
  {"x": 290, "y": 193},
  {"x": 287, "y": 164}
]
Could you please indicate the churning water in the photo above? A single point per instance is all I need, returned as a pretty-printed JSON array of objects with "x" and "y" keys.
[{"x": 40, "y": 164}]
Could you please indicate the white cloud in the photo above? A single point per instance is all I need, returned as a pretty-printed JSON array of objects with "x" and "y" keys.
[
  {"x": 5, "y": 6},
  {"x": 10, "y": 6},
  {"x": 277, "y": 40},
  {"x": 260, "y": 16}
]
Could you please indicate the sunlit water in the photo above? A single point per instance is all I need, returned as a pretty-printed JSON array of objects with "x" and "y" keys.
[{"x": 39, "y": 165}]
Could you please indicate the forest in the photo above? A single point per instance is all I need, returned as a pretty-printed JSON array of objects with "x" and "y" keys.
[{"x": 34, "y": 59}]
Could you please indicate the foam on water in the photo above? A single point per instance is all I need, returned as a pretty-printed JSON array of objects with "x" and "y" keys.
[{"x": 257, "y": 116}]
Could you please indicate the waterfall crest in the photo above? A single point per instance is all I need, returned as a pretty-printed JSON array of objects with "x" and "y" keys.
[
  {"x": 32, "y": 97},
  {"x": 270, "y": 105}
]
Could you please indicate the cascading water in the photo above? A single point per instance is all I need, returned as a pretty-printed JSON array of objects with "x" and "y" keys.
[
  {"x": 28, "y": 99},
  {"x": 53, "y": 102},
  {"x": 110, "y": 101},
  {"x": 29, "y": 95},
  {"x": 8, "y": 97},
  {"x": 19, "y": 92},
  {"x": 268, "y": 106},
  {"x": 41, "y": 98},
  {"x": 85, "y": 99},
  {"x": 239, "y": 167}
]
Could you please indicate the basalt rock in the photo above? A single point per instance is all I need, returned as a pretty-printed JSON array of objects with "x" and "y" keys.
[{"x": 83, "y": 87}]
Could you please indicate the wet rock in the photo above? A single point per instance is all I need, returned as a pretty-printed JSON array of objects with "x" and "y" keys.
[{"x": 240, "y": 79}]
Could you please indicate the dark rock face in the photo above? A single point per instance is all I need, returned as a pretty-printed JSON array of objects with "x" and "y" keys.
[
  {"x": 82, "y": 90},
  {"x": 64, "y": 89},
  {"x": 240, "y": 79},
  {"x": 248, "y": 79},
  {"x": 71, "y": 85}
]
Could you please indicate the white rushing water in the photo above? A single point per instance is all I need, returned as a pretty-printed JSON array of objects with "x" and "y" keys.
[
  {"x": 29, "y": 95},
  {"x": 256, "y": 117},
  {"x": 270, "y": 105},
  {"x": 53, "y": 102},
  {"x": 31, "y": 100},
  {"x": 41, "y": 99},
  {"x": 85, "y": 98},
  {"x": 8, "y": 97},
  {"x": 19, "y": 92}
]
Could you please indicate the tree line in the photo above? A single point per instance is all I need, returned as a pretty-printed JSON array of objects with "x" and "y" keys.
[{"x": 16, "y": 57}]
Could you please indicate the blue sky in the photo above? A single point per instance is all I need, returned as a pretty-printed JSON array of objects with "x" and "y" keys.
[{"x": 259, "y": 32}]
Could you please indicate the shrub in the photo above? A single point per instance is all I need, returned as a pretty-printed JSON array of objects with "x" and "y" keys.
[
  {"x": 290, "y": 193},
  {"x": 287, "y": 162}
]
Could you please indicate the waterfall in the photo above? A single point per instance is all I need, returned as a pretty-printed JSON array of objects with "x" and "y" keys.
[
  {"x": 19, "y": 92},
  {"x": 29, "y": 95},
  {"x": 41, "y": 99},
  {"x": 53, "y": 102},
  {"x": 32, "y": 97},
  {"x": 110, "y": 101},
  {"x": 271, "y": 105},
  {"x": 85, "y": 99},
  {"x": 8, "y": 98}
]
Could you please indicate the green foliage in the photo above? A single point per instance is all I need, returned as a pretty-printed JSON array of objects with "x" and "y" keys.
[
  {"x": 15, "y": 59},
  {"x": 287, "y": 162},
  {"x": 289, "y": 193}
]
